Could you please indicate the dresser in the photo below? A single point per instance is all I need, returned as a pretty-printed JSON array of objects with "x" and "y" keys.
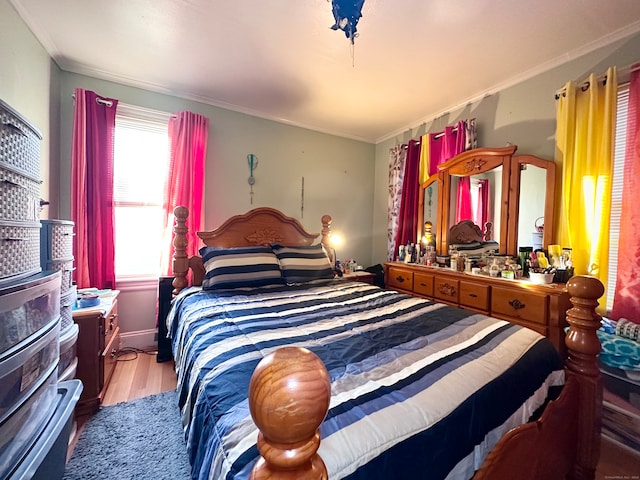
[
  {"x": 539, "y": 307},
  {"x": 97, "y": 348}
]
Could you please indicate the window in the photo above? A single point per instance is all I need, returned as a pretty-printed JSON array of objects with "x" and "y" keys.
[
  {"x": 616, "y": 191},
  {"x": 141, "y": 162}
]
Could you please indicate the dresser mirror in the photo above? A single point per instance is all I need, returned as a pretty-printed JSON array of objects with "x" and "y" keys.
[
  {"x": 531, "y": 211},
  {"x": 489, "y": 168}
]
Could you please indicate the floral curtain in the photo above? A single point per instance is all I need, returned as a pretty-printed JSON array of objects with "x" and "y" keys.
[
  {"x": 188, "y": 135},
  {"x": 626, "y": 303},
  {"x": 408, "y": 217},
  {"x": 92, "y": 207},
  {"x": 584, "y": 140},
  {"x": 397, "y": 158}
]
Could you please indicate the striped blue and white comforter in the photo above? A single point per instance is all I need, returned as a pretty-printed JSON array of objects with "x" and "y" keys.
[{"x": 431, "y": 386}]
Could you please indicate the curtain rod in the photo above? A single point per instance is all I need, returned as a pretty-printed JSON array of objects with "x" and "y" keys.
[
  {"x": 102, "y": 101},
  {"x": 584, "y": 85}
]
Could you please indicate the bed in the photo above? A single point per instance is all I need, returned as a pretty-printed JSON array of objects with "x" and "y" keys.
[{"x": 348, "y": 380}]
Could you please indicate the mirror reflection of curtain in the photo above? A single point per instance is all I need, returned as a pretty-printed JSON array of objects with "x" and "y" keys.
[
  {"x": 408, "y": 214},
  {"x": 397, "y": 158},
  {"x": 626, "y": 303},
  {"x": 480, "y": 202},
  {"x": 463, "y": 203},
  {"x": 584, "y": 139}
]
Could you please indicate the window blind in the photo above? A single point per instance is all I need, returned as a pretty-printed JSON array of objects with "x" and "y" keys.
[{"x": 616, "y": 191}]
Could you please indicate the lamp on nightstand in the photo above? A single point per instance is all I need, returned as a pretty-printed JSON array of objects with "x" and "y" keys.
[{"x": 335, "y": 240}]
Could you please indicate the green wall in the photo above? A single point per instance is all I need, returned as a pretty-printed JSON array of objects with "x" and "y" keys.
[
  {"x": 28, "y": 77},
  {"x": 522, "y": 115}
]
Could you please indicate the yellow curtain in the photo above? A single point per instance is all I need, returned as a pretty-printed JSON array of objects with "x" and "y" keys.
[
  {"x": 424, "y": 158},
  {"x": 586, "y": 117}
]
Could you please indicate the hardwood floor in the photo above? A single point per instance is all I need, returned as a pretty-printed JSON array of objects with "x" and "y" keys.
[{"x": 138, "y": 374}]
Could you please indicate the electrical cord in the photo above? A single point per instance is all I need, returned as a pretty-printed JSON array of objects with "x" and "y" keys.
[{"x": 132, "y": 350}]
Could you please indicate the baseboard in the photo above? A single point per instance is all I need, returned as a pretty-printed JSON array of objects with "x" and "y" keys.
[{"x": 142, "y": 339}]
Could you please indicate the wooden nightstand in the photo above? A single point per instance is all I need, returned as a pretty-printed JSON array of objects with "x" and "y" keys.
[
  {"x": 360, "y": 276},
  {"x": 97, "y": 348}
]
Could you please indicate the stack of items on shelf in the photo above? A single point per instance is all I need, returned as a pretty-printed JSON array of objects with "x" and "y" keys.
[
  {"x": 36, "y": 410},
  {"x": 56, "y": 254},
  {"x": 620, "y": 366}
]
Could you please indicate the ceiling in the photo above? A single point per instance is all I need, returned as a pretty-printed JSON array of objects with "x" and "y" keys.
[{"x": 278, "y": 59}]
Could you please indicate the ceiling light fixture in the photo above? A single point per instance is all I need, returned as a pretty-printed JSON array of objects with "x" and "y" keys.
[{"x": 346, "y": 14}]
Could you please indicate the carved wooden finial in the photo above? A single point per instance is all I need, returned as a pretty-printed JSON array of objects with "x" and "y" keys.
[
  {"x": 582, "y": 364},
  {"x": 289, "y": 398},
  {"x": 180, "y": 265}
]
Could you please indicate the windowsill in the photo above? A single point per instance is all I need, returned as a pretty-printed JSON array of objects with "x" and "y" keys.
[{"x": 128, "y": 284}]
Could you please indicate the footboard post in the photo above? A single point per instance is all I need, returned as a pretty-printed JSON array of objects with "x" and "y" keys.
[
  {"x": 180, "y": 265},
  {"x": 289, "y": 397},
  {"x": 582, "y": 363}
]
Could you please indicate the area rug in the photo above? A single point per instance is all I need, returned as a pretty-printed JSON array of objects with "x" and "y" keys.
[{"x": 141, "y": 440}]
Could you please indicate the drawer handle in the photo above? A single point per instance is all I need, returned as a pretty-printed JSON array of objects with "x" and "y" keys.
[
  {"x": 399, "y": 279},
  {"x": 423, "y": 284},
  {"x": 516, "y": 304},
  {"x": 14, "y": 239},
  {"x": 15, "y": 128},
  {"x": 113, "y": 353},
  {"x": 448, "y": 290},
  {"x": 473, "y": 295},
  {"x": 13, "y": 184}
]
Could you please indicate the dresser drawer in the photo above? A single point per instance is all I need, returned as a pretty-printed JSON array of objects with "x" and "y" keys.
[
  {"x": 528, "y": 306},
  {"x": 65, "y": 267},
  {"x": 19, "y": 249},
  {"x": 400, "y": 278},
  {"x": 111, "y": 323},
  {"x": 19, "y": 197},
  {"x": 56, "y": 240},
  {"x": 423, "y": 284},
  {"x": 19, "y": 143},
  {"x": 26, "y": 308},
  {"x": 474, "y": 295},
  {"x": 446, "y": 289}
]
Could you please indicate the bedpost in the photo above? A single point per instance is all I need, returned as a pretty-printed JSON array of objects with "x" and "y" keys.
[
  {"x": 326, "y": 238},
  {"x": 180, "y": 264},
  {"x": 582, "y": 364},
  {"x": 289, "y": 397}
]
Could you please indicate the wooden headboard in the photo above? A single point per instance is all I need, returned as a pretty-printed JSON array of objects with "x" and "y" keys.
[
  {"x": 466, "y": 232},
  {"x": 260, "y": 226}
]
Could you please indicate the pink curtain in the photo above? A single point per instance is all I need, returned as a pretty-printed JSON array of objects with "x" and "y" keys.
[
  {"x": 445, "y": 145},
  {"x": 626, "y": 302},
  {"x": 481, "y": 214},
  {"x": 408, "y": 216},
  {"x": 92, "y": 208},
  {"x": 188, "y": 133},
  {"x": 464, "y": 210}
]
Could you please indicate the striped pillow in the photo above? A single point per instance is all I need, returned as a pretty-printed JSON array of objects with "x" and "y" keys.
[
  {"x": 302, "y": 264},
  {"x": 239, "y": 267}
]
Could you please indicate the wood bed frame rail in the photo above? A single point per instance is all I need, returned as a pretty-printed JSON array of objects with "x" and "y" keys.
[{"x": 289, "y": 388}]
